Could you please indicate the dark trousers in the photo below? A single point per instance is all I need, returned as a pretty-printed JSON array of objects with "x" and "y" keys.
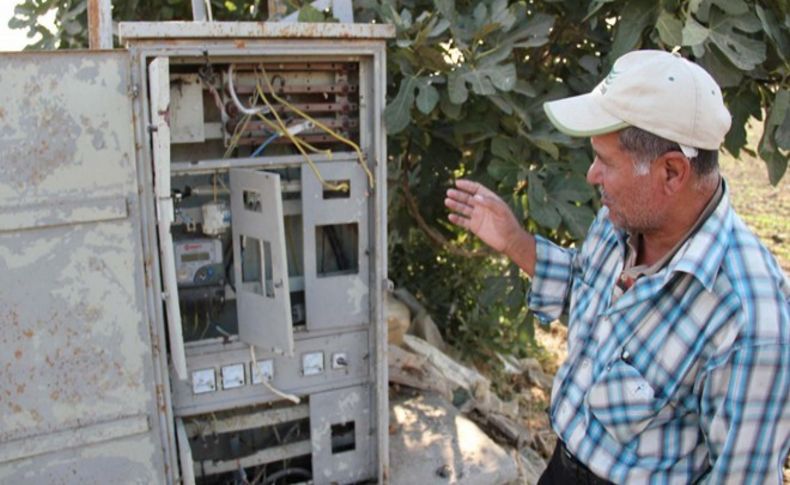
[{"x": 565, "y": 469}]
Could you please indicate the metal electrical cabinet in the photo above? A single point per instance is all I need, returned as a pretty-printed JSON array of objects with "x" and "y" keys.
[{"x": 193, "y": 250}]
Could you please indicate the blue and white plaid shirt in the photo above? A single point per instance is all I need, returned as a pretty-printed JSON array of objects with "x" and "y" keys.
[{"x": 686, "y": 377}]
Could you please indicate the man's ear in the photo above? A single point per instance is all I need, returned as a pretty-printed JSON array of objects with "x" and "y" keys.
[{"x": 675, "y": 171}]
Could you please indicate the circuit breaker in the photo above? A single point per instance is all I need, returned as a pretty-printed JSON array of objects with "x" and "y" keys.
[{"x": 260, "y": 228}]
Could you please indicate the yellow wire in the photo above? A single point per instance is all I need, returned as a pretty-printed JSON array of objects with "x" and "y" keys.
[
  {"x": 337, "y": 187},
  {"x": 317, "y": 123},
  {"x": 276, "y": 128}
]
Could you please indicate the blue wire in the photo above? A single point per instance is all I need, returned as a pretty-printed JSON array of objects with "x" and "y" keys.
[{"x": 266, "y": 143}]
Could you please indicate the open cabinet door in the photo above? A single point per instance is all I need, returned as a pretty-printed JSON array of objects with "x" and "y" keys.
[
  {"x": 263, "y": 299},
  {"x": 76, "y": 366},
  {"x": 159, "y": 84}
]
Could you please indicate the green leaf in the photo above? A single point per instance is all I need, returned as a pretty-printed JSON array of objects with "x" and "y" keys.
[
  {"x": 502, "y": 146},
  {"x": 768, "y": 149},
  {"x": 503, "y": 171},
  {"x": 397, "y": 114},
  {"x": 576, "y": 218},
  {"x": 571, "y": 188},
  {"x": 535, "y": 30},
  {"x": 541, "y": 209},
  {"x": 439, "y": 28},
  {"x": 743, "y": 106},
  {"x": 495, "y": 56},
  {"x": 743, "y": 51},
  {"x": 432, "y": 57},
  {"x": 456, "y": 86},
  {"x": 694, "y": 33},
  {"x": 545, "y": 145},
  {"x": 722, "y": 70},
  {"x": 670, "y": 29},
  {"x": 480, "y": 80},
  {"x": 636, "y": 16},
  {"x": 427, "y": 97},
  {"x": 500, "y": 14},
  {"x": 525, "y": 88},
  {"x": 774, "y": 30},
  {"x": 732, "y": 7},
  {"x": 595, "y": 6},
  {"x": 701, "y": 8},
  {"x": 451, "y": 110},
  {"x": 308, "y": 13}
]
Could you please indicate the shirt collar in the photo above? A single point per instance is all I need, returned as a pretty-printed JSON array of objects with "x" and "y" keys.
[{"x": 702, "y": 254}]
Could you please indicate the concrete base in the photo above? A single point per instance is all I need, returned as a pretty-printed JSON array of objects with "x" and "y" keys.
[{"x": 431, "y": 442}]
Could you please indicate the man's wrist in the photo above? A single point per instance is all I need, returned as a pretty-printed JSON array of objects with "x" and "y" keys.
[{"x": 522, "y": 251}]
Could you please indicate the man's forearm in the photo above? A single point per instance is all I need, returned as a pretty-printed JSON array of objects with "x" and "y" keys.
[{"x": 521, "y": 251}]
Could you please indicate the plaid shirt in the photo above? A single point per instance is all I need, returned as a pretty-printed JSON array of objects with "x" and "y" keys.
[{"x": 685, "y": 377}]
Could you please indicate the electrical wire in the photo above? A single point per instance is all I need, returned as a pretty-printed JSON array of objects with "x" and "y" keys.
[
  {"x": 264, "y": 145},
  {"x": 298, "y": 144},
  {"x": 290, "y": 397},
  {"x": 317, "y": 123},
  {"x": 287, "y": 472},
  {"x": 232, "y": 90}
]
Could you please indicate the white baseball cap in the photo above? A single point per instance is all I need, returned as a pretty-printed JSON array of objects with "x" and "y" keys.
[{"x": 659, "y": 92}]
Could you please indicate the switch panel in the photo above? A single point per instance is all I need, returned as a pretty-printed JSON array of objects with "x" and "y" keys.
[
  {"x": 264, "y": 371},
  {"x": 312, "y": 363},
  {"x": 232, "y": 376},
  {"x": 204, "y": 380},
  {"x": 339, "y": 360}
]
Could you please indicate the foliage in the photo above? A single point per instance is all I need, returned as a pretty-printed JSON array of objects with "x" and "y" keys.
[{"x": 467, "y": 81}]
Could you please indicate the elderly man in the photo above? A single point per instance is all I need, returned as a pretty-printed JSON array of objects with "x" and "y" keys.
[{"x": 678, "y": 366}]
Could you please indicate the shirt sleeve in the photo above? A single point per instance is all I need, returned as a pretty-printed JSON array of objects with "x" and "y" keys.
[
  {"x": 746, "y": 415},
  {"x": 549, "y": 293}
]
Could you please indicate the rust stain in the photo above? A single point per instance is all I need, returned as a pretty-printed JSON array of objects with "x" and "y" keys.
[
  {"x": 2, "y": 113},
  {"x": 93, "y": 24},
  {"x": 54, "y": 395},
  {"x": 20, "y": 389},
  {"x": 28, "y": 333},
  {"x": 240, "y": 44},
  {"x": 18, "y": 354}
]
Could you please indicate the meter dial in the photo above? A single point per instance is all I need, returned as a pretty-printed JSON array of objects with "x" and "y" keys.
[{"x": 312, "y": 363}]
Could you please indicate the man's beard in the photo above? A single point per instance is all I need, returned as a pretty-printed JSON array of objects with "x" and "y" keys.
[{"x": 640, "y": 220}]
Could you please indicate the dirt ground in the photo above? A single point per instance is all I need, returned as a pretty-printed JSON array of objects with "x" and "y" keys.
[{"x": 764, "y": 208}]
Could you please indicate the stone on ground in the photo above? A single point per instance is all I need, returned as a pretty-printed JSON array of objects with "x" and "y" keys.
[{"x": 431, "y": 442}]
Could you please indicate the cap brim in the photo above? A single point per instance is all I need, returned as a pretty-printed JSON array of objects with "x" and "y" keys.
[{"x": 581, "y": 116}]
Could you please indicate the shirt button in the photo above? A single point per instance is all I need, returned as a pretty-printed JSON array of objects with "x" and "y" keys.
[
  {"x": 585, "y": 363},
  {"x": 626, "y": 355}
]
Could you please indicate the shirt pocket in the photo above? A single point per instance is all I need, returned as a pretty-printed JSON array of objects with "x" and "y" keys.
[{"x": 623, "y": 401}]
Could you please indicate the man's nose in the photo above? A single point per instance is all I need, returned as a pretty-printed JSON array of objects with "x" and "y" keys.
[{"x": 594, "y": 173}]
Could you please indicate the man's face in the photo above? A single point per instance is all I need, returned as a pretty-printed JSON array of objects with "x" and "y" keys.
[{"x": 630, "y": 197}]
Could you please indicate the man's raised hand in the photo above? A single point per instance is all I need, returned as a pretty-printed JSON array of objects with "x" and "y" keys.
[{"x": 481, "y": 211}]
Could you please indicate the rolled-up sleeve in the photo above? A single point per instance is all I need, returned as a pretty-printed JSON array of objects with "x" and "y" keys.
[{"x": 549, "y": 293}]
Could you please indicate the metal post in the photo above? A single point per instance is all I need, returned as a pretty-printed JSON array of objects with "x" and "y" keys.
[{"x": 99, "y": 24}]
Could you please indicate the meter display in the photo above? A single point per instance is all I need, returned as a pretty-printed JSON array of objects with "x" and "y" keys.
[{"x": 199, "y": 262}]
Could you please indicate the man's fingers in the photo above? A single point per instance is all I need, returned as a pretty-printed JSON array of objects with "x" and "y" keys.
[
  {"x": 461, "y": 221},
  {"x": 459, "y": 195},
  {"x": 473, "y": 188},
  {"x": 458, "y": 207}
]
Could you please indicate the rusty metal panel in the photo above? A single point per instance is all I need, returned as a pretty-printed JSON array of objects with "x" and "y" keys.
[
  {"x": 345, "y": 456},
  {"x": 239, "y": 30},
  {"x": 77, "y": 390}
]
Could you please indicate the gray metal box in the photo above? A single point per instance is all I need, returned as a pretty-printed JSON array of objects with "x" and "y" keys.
[{"x": 177, "y": 273}]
